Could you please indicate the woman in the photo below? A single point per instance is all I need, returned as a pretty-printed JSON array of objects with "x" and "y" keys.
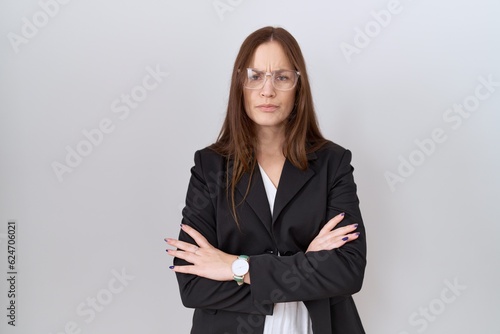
[{"x": 272, "y": 239}]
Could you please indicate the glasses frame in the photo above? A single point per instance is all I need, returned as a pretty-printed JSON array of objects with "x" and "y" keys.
[{"x": 272, "y": 75}]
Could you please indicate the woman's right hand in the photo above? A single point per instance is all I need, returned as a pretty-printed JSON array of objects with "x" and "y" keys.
[{"x": 329, "y": 237}]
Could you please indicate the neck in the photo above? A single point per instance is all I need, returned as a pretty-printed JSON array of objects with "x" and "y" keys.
[{"x": 270, "y": 140}]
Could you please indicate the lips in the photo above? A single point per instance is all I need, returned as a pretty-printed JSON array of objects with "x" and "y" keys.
[{"x": 267, "y": 107}]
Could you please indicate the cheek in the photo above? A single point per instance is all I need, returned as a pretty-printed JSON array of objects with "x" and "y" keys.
[
  {"x": 289, "y": 101},
  {"x": 248, "y": 97},
  {"x": 246, "y": 100}
]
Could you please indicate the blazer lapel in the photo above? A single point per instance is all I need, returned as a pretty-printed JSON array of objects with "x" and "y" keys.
[
  {"x": 256, "y": 197},
  {"x": 291, "y": 181}
]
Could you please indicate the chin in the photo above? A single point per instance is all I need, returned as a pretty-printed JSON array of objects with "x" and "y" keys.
[
  {"x": 268, "y": 120},
  {"x": 270, "y": 124}
]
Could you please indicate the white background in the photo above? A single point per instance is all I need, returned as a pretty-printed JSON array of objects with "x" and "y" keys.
[{"x": 112, "y": 211}]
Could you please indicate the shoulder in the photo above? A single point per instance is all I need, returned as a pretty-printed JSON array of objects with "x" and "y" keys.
[
  {"x": 334, "y": 160},
  {"x": 207, "y": 160},
  {"x": 332, "y": 151},
  {"x": 207, "y": 154}
]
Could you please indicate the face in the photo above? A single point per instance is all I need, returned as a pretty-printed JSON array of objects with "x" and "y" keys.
[{"x": 269, "y": 107}]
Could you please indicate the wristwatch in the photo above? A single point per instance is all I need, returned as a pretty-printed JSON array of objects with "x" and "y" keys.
[{"x": 240, "y": 268}]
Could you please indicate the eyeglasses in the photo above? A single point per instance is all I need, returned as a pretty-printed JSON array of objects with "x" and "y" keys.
[{"x": 281, "y": 79}]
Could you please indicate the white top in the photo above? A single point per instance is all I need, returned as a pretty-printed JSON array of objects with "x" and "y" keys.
[{"x": 289, "y": 317}]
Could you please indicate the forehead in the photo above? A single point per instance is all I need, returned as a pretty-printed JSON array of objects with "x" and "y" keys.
[{"x": 270, "y": 56}]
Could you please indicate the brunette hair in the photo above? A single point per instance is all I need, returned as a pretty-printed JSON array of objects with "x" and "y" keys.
[{"x": 237, "y": 139}]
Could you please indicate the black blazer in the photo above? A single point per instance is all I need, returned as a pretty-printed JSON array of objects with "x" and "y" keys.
[{"x": 305, "y": 201}]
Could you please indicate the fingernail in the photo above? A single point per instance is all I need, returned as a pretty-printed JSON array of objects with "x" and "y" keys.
[
  {"x": 167, "y": 250},
  {"x": 358, "y": 233},
  {"x": 171, "y": 267},
  {"x": 342, "y": 214},
  {"x": 355, "y": 225},
  {"x": 345, "y": 238},
  {"x": 167, "y": 239},
  {"x": 181, "y": 225}
]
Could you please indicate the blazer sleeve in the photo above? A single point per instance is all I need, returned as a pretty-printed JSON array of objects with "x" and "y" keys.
[
  {"x": 200, "y": 292},
  {"x": 316, "y": 275}
]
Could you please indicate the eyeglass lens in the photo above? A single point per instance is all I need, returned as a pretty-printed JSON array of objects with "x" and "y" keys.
[{"x": 281, "y": 79}]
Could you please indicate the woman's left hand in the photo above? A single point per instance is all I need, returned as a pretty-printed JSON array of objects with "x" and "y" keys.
[{"x": 207, "y": 261}]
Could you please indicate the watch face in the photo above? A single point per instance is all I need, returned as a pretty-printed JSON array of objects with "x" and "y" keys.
[{"x": 240, "y": 267}]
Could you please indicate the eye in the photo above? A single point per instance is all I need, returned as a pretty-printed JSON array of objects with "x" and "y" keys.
[
  {"x": 282, "y": 76},
  {"x": 255, "y": 76}
]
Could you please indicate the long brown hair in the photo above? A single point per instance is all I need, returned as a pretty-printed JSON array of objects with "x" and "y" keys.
[{"x": 237, "y": 139}]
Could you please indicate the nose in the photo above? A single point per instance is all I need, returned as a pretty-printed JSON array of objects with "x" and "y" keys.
[{"x": 268, "y": 89}]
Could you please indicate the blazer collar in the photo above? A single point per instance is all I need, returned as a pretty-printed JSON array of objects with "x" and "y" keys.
[
  {"x": 291, "y": 181},
  {"x": 256, "y": 197}
]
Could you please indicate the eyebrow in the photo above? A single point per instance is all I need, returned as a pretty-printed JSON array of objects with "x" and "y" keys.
[{"x": 279, "y": 69}]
